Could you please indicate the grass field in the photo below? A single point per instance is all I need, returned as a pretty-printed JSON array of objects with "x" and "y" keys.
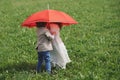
[{"x": 93, "y": 44}]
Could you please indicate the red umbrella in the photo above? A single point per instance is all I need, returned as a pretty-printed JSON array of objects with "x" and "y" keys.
[{"x": 48, "y": 16}]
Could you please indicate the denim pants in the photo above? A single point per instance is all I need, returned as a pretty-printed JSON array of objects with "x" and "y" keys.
[{"x": 44, "y": 56}]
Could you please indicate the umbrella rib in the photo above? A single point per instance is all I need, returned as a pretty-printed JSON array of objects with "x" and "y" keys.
[{"x": 48, "y": 16}]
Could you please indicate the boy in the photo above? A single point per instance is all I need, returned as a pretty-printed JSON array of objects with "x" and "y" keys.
[{"x": 44, "y": 46}]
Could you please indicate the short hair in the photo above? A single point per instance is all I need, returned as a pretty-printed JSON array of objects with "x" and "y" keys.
[{"x": 40, "y": 24}]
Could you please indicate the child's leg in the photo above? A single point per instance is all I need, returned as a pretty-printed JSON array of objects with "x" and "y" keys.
[
  {"x": 40, "y": 60},
  {"x": 47, "y": 61}
]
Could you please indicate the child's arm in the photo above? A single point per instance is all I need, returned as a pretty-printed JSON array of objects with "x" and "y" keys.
[{"x": 49, "y": 35}]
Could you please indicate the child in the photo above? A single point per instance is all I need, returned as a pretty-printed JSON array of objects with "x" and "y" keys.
[
  {"x": 44, "y": 46},
  {"x": 59, "y": 55}
]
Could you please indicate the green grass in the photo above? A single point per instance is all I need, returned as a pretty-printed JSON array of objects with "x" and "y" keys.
[{"x": 93, "y": 44}]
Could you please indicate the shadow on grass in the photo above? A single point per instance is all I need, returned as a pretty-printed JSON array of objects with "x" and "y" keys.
[{"x": 23, "y": 66}]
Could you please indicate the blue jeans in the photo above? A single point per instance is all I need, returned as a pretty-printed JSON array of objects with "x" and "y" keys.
[{"x": 45, "y": 55}]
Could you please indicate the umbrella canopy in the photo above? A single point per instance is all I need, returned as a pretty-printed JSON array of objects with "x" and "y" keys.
[{"x": 49, "y": 16}]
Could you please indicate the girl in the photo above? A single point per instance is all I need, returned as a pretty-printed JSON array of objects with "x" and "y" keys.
[{"x": 59, "y": 55}]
